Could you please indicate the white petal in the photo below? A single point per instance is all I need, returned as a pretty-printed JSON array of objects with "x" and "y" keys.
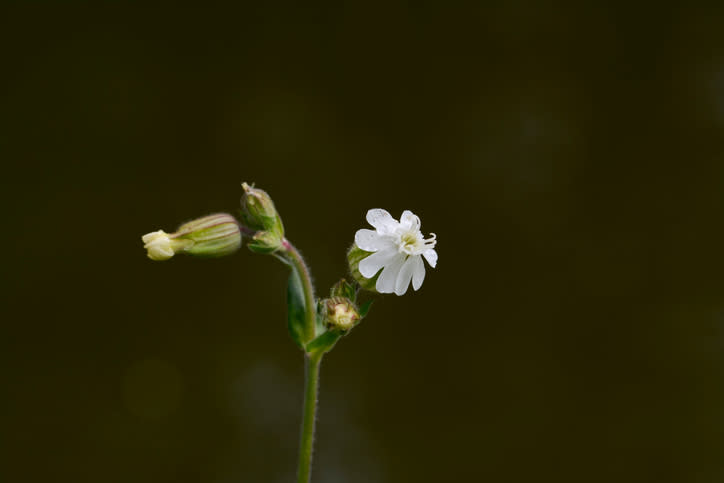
[
  {"x": 388, "y": 277},
  {"x": 369, "y": 266},
  {"x": 149, "y": 237},
  {"x": 418, "y": 273},
  {"x": 409, "y": 220},
  {"x": 370, "y": 240},
  {"x": 405, "y": 275},
  {"x": 381, "y": 220},
  {"x": 431, "y": 257}
]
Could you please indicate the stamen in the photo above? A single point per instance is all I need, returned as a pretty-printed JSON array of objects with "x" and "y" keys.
[{"x": 431, "y": 242}]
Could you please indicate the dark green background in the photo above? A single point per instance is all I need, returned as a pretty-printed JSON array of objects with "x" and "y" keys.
[{"x": 568, "y": 156}]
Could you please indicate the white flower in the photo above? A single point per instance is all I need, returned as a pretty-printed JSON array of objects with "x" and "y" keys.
[
  {"x": 158, "y": 245},
  {"x": 398, "y": 249}
]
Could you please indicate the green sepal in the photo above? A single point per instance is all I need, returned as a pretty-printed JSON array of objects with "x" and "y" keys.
[
  {"x": 364, "y": 309},
  {"x": 295, "y": 309},
  {"x": 324, "y": 342},
  {"x": 344, "y": 289},
  {"x": 264, "y": 242},
  {"x": 211, "y": 236},
  {"x": 354, "y": 256}
]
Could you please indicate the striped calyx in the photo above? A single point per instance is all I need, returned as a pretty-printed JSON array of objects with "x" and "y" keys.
[
  {"x": 212, "y": 236},
  {"x": 259, "y": 214},
  {"x": 258, "y": 211}
]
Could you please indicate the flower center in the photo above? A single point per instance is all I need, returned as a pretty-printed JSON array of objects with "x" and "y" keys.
[{"x": 412, "y": 243}]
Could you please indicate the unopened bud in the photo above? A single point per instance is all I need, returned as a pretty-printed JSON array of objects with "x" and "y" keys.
[
  {"x": 264, "y": 242},
  {"x": 343, "y": 289},
  {"x": 211, "y": 236},
  {"x": 340, "y": 313},
  {"x": 354, "y": 256},
  {"x": 258, "y": 212}
]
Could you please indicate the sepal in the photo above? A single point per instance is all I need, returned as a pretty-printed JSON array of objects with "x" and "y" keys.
[
  {"x": 343, "y": 289},
  {"x": 264, "y": 242},
  {"x": 340, "y": 313},
  {"x": 354, "y": 256}
]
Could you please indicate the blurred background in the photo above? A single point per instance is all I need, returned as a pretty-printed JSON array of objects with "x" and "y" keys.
[{"x": 568, "y": 156}]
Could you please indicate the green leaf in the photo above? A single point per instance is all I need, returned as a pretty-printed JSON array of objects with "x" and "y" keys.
[
  {"x": 319, "y": 325},
  {"x": 295, "y": 309},
  {"x": 365, "y": 308},
  {"x": 324, "y": 342}
]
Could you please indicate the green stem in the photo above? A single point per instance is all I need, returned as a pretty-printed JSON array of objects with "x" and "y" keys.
[
  {"x": 312, "y": 362},
  {"x": 309, "y": 304},
  {"x": 311, "y": 365}
]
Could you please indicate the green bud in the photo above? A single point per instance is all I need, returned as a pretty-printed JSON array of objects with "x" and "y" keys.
[
  {"x": 258, "y": 212},
  {"x": 340, "y": 313},
  {"x": 264, "y": 242},
  {"x": 211, "y": 236},
  {"x": 354, "y": 256},
  {"x": 343, "y": 289}
]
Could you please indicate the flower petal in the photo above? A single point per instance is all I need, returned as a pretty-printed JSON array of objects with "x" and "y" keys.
[
  {"x": 405, "y": 275},
  {"x": 370, "y": 240},
  {"x": 418, "y": 273},
  {"x": 381, "y": 220},
  {"x": 149, "y": 237},
  {"x": 409, "y": 221},
  {"x": 388, "y": 277},
  {"x": 431, "y": 257},
  {"x": 369, "y": 266}
]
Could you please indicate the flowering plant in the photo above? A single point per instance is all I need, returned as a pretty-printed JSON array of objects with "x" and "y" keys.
[{"x": 384, "y": 260}]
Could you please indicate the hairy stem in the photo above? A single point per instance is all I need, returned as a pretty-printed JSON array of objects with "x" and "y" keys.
[
  {"x": 309, "y": 304},
  {"x": 312, "y": 364}
]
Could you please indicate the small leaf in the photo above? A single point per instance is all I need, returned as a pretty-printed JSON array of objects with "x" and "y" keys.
[
  {"x": 365, "y": 308},
  {"x": 295, "y": 309},
  {"x": 319, "y": 325},
  {"x": 324, "y": 342}
]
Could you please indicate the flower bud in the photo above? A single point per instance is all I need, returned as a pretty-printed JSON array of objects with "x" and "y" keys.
[
  {"x": 211, "y": 236},
  {"x": 354, "y": 256},
  {"x": 264, "y": 242},
  {"x": 258, "y": 212},
  {"x": 340, "y": 313},
  {"x": 343, "y": 289}
]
